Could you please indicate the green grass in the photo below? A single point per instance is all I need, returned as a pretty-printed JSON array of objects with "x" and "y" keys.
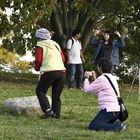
[{"x": 78, "y": 109}]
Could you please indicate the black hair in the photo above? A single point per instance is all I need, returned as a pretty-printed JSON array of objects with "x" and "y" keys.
[
  {"x": 75, "y": 32},
  {"x": 110, "y": 37},
  {"x": 105, "y": 65},
  {"x": 108, "y": 32}
]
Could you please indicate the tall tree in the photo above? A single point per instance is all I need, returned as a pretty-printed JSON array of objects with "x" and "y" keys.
[
  {"x": 62, "y": 16},
  {"x": 18, "y": 29},
  {"x": 82, "y": 14}
]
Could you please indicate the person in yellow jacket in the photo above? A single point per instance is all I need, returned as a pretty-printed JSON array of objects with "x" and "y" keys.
[{"x": 49, "y": 60}]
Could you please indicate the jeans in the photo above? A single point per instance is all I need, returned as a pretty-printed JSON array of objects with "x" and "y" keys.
[
  {"x": 75, "y": 71},
  {"x": 114, "y": 69},
  {"x": 55, "y": 79},
  {"x": 105, "y": 121}
]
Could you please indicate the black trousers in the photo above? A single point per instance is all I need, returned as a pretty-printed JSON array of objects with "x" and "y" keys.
[{"x": 55, "y": 79}]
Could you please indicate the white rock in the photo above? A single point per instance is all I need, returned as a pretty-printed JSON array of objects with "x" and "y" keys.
[{"x": 28, "y": 105}]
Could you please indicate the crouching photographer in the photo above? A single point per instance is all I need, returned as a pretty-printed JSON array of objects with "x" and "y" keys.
[{"x": 107, "y": 118}]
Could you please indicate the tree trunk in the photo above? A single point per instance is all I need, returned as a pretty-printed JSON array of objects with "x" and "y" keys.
[{"x": 71, "y": 19}]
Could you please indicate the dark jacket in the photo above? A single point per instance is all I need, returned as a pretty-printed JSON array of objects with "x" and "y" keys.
[{"x": 116, "y": 44}]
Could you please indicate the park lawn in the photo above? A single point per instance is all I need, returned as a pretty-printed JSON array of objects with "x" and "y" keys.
[{"x": 77, "y": 111}]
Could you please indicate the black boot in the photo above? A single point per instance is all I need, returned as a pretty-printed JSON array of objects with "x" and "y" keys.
[{"x": 47, "y": 114}]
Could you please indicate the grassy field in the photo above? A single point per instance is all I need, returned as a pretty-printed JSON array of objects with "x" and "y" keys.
[{"x": 78, "y": 109}]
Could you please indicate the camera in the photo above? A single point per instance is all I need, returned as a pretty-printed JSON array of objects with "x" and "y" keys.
[{"x": 89, "y": 73}]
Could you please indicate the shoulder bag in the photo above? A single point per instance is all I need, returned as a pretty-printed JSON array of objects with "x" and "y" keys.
[{"x": 123, "y": 110}]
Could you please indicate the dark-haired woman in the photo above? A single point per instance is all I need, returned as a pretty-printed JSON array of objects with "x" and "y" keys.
[
  {"x": 108, "y": 117},
  {"x": 108, "y": 47}
]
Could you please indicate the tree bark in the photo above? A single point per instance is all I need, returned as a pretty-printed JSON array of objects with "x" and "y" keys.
[
  {"x": 65, "y": 17},
  {"x": 70, "y": 21}
]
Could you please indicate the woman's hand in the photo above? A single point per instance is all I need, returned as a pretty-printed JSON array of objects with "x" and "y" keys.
[
  {"x": 117, "y": 33},
  {"x": 96, "y": 31},
  {"x": 89, "y": 74},
  {"x": 86, "y": 75}
]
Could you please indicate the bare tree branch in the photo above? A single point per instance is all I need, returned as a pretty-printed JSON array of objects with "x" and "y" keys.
[
  {"x": 97, "y": 3},
  {"x": 69, "y": 15},
  {"x": 57, "y": 20},
  {"x": 105, "y": 20},
  {"x": 72, "y": 16},
  {"x": 87, "y": 33},
  {"x": 65, "y": 16}
]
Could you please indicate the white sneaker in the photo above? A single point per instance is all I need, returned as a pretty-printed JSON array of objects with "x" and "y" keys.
[{"x": 123, "y": 126}]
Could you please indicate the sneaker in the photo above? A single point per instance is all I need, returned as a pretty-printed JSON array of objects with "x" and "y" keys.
[
  {"x": 56, "y": 116},
  {"x": 48, "y": 114},
  {"x": 118, "y": 122},
  {"x": 71, "y": 88},
  {"x": 80, "y": 88},
  {"x": 123, "y": 127}
]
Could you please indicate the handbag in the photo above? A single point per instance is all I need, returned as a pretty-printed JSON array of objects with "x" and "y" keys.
[{"x": 123, "y": 110}]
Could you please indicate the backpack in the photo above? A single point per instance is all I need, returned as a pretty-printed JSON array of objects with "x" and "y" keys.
[
  {"x": 72, "y": 41},
  {"x": 65, "y": 50}
]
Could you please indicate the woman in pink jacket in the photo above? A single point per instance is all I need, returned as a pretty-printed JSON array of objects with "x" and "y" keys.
[{"x": 108, "y": 117}]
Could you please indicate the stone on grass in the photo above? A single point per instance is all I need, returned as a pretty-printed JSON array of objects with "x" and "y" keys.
[{"x": 24, "y": 105}]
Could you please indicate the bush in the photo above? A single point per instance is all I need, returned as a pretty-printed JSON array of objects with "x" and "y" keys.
[{"x": 11, "y": 62}]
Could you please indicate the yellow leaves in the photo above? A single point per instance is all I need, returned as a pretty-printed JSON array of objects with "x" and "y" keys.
[
  {"x": 21, "y": 66},
  {"x": 5, "y": 56},
  {"x": 13, "y": 60}
]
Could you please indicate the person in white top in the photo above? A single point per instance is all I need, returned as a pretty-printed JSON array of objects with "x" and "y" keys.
[{"x": 75, "y": 59}]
